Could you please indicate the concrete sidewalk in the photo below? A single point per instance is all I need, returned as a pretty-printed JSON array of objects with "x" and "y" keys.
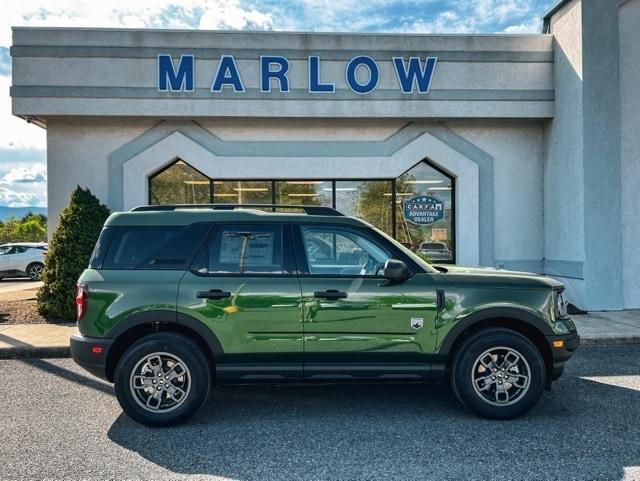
[
  {"x": 52, "y": 340},
  {"x": 35, "y": 340}
]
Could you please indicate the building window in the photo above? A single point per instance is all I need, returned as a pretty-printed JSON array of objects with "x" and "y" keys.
[
  {"x": 370, "y": 200},
  {"x": 179, "y": 183},
  {"x": 304, "y": 192},
  {"x": 417, "y": 208},
  {"x": 424, "y": 212},
  {"x": 242, "y": 192}
]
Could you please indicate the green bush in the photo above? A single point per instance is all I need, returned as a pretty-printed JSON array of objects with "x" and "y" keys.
[
  {"x": 69, "y": 251},
  {"x": 31, "y": 228}
]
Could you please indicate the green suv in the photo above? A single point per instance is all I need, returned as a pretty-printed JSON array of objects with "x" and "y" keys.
[{"x": 179, "y": 298}]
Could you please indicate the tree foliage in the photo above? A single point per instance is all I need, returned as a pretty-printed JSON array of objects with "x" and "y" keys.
[
  {"x": 69, "y": 252},
  {"x": 30, "y": 228}
]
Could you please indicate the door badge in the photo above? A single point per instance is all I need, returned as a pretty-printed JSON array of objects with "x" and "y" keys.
[{"x": 416, "y": 322}]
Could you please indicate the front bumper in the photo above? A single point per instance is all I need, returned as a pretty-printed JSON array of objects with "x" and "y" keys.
[
  {"x": 91, "y": 353},
  {"x": 570, "y": 342}
]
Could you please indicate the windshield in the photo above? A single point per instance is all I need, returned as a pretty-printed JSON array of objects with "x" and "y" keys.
[{"x": 417, "y": 259}]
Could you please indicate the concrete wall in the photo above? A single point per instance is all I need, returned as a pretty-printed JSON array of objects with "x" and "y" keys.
[
  {"x": 591, "y": 167},
  {"x": 629, "y": 18},
  {"x": 563, "y": 158},
  {"x": 77, "y": 152},
  {"x": 507, "y": 231},
  {"x": 516, "y": 149}
]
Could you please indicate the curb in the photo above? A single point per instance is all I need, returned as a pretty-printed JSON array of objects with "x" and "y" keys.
[{"x": 26, "y": 352}]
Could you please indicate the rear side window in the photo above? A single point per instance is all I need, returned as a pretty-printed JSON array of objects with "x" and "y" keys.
[
  {"x": 100, "y": 249},
  {"x": 152, "y": 247},
  {"x": 242, "y": 249}
]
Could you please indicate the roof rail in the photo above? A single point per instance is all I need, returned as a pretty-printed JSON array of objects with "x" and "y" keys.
[{"x": 308, "y": 209}]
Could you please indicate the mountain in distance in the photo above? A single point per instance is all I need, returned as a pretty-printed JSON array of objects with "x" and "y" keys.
[{"x": 19, "y": 212}]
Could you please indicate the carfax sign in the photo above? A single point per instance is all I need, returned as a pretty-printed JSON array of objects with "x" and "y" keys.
[{"x": 423, "y": 210}]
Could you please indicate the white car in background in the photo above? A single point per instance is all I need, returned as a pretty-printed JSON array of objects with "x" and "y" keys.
[
  {"x": 435, "y": 251},
  {"x": 22, "y": 259}
]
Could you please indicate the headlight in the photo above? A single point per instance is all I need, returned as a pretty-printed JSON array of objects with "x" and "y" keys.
[{"x": 560, "y": 305}]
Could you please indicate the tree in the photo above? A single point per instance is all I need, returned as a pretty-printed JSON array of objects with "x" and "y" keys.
[
  {"x": 31, "y": 228},
  {"x": 69, "y": 252}
]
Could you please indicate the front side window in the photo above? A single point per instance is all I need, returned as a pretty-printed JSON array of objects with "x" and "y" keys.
[
  {"x": 342, "y": 251},
  {"x": 243, "y": 249}
]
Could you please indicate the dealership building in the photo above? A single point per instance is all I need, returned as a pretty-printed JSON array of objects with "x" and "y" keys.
[{"x": 513, "y": 151}]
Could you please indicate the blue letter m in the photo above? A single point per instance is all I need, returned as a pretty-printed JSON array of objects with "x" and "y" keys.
[
  {"x": 415, "y": 73},
  {"x": 179, "y": 80}
]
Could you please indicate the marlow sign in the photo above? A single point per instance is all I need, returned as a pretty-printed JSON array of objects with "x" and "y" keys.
[{"x": 180, "y": 76}]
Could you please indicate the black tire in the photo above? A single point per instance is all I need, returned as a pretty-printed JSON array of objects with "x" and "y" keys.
[
  {"x": 171, "y": 346},
  {"x": 34, "y": 271},
  {"x": 484, "y": 400}
]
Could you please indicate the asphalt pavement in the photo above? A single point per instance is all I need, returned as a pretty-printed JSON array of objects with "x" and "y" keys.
[{"x": 59, "y": 423}]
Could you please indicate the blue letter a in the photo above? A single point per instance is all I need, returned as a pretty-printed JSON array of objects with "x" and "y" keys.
[
  {"x": 175, "y": 81},
  {"x": 227, "y": 74},
  {"x": 415, "y": 73}
]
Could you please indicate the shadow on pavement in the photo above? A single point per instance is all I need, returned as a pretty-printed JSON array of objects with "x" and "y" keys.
[
  {"x": 584, "y": 429},
  {"x": 87, "y": 381}
]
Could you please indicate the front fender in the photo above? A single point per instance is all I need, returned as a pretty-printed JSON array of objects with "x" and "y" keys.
[{"x": 452, "y": 330}]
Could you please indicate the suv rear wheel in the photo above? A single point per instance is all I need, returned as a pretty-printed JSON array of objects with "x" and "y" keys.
[
  {"x": 498, "y": 374},
  {"x": 162, "y": 380}
]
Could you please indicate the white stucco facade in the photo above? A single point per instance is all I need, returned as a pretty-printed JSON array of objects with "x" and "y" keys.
[{"x": 509, "y": 117}]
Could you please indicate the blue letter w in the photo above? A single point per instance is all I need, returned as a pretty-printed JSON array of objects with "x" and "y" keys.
[
  {"x": 175, "y": 81},
  {"x": 415, "y": 73}
]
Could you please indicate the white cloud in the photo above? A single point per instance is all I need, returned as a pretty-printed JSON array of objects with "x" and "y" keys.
[
  {"x": 532, "y": 26},
  {"x": 26, "y": 175},
  {"x": 15, "y": 132},
  {"x": 229, "y": 14},
  {"x": 12, "y": 198}
]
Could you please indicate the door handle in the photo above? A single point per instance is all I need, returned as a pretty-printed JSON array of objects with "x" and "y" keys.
[
  {"x": 330, "y": 294},
  {"x": 213, "y": 294}
]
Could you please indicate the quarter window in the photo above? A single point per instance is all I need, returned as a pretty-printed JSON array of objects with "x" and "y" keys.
[
  {"x": 153, "y": 247},
  {"x": 342, "y": 251}
]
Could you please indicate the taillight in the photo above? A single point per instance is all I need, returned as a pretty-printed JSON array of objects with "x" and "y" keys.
[{"x": 82, "y": 300}]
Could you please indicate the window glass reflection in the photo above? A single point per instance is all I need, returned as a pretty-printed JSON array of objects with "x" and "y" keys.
[
  {"x": 242, "y": 192},
  {"x": 179, "y": 184},
  {"x": 424, "y": 212},
  {"x": 304, "y": 192},
  {"x": 369, "y": 200}
]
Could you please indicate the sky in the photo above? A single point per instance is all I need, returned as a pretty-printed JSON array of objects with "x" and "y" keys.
[{"x": 23, "y": 146}]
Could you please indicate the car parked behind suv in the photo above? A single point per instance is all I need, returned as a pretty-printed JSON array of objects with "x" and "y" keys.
[
  {"x": 179, "y": 298},
  {"x": 22, "y": 259}
]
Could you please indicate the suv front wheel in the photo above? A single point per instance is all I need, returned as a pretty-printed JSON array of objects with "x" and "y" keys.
[
  {"x": 162, "y": 379},
  {"x": 498, "y": 374}
]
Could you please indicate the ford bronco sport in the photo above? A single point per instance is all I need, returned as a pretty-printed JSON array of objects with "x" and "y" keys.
[{"x": 177, "y": 298}]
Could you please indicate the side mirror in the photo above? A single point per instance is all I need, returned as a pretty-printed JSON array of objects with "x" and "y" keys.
[{"x": 395, "y": 270}]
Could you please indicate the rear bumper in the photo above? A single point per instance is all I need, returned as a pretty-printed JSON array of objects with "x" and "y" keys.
[
  {"x": 561, "y": 355},
  {"x": 91, "y": 353}
]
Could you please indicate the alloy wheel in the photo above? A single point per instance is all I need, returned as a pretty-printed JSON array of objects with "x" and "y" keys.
[
  {"x": 160, "y": 382},
  {"x": 501, "y": 376},
  {"x": 35, "y": 272}
]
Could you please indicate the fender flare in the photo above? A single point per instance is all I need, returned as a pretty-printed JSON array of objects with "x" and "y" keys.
[
  {"x": 164, "y": 316},
  {"x": 493, "y": 313}
]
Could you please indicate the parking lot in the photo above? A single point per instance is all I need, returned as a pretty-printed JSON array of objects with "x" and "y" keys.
[{"x": 60, "y": 423}]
